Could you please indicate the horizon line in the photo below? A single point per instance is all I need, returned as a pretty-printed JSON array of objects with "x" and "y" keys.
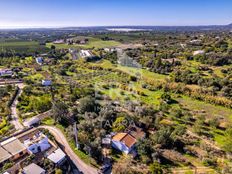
[{"x": 85, "y": 26}]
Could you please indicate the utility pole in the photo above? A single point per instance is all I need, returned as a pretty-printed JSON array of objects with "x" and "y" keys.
[
  {"x": 76, "y": 134},
  {"x": 195, "y": 169}
]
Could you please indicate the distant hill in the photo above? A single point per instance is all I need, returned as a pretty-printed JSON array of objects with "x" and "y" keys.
[
  {"x": 152, "y": 28},
  {"x": 135, "y": 28}
]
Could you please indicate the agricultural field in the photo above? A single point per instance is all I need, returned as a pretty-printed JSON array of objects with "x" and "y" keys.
[
  {"x": 21, "y": 46},
  {"x": 181, "y": 102},
  {"x": 92, "y": 43}
]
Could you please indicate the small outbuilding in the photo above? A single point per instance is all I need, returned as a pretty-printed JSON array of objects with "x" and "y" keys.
[
  {"x": 6, "y": 72},
  {"x": 46, "y": 82},
  {"x": 33, "y": 169},
  {"x": 57, "y": 157},
  {"x": 31, "y": 121},
  {"x": 39, "y": 60},
  {"x": 198, "y": 52}
]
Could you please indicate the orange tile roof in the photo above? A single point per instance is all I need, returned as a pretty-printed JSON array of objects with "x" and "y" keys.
[
  {"x": 119, "y": 136},
  {"x": 128, "y": 140},
  {"x": 125, "y": 138}
]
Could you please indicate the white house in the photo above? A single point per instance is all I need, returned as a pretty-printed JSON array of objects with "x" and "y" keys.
[
  {"x": 57, "y": 157},
  {"x": 38, "y": 144},
  {"x": 196, "y": 41},
  {"x": 198, "y": 52},
  {"x": 31, "y": 121},
  {"x": 107, "y": 49},
  {"x": 39, "y": 60},
  {"x": 106, "y": 141},
  {"x": 123, "y": 142},
  {"x": 5, "y": 72},
  {"x": 46, "y": 82},
  {"x": 61, "y": 41},
  {"x": 85, "y": 53}
]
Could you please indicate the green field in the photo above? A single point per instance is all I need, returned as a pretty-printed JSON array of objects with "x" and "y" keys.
[
  {"x": 22, "y": 46},
  {"x": 93, "y": 43},
  {"x": 210, "y": 110},
  {"x": 143, "y": 73}
]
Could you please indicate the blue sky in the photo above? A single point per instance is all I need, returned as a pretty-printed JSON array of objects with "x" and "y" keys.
[{"x": 59, "y": 13}]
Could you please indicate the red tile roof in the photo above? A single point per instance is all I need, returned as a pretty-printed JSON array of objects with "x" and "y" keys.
[{"x": 125, "y": 138}]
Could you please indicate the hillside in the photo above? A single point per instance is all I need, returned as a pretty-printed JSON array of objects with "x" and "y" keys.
[{"x": 165, "y": 95}]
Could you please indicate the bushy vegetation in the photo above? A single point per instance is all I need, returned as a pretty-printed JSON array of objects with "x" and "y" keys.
[
  {"x": 6, "y": 95},
  {"x": 182, "y": 102}
]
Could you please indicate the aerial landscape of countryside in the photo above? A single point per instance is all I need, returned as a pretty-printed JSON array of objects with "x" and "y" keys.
[{"x": 83, "y": 93}]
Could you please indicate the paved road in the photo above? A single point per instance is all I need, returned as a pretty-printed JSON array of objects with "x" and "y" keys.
[
  {"x": 14, "y": 115},
  {"x": 76, "y": 160}
]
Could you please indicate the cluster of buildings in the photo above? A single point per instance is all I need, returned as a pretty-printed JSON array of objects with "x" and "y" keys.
[
  {"x": 71, "y": 41},
  {"x": 17, "y": 148}
]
